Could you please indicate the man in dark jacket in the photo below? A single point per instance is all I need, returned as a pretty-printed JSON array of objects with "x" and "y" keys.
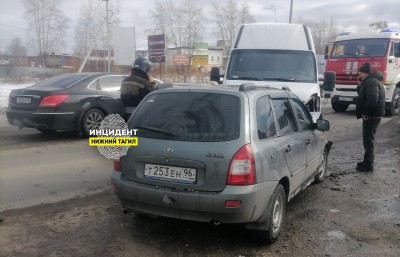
[
  {"x": 139, "y": 83},
  {"x": 371, "y": 108}
]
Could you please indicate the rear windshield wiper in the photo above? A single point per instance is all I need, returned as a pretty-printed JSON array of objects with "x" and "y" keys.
[{"x": 161, "y": 131}]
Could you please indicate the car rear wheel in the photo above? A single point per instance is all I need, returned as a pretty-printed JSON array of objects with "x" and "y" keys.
[
  {"x": 321, "y": 172},
  {"x": 275, "y": 214},
  {"x": 339, "y": 107},
  {"x": 91, "y": 120}
]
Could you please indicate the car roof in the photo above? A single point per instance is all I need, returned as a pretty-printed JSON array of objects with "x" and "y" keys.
[{"x": 246, "y": 88}]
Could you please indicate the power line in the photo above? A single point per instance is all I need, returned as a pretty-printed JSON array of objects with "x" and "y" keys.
[
  {"x": 12, "y": 26},
  {"x": 29, "y": 29}
]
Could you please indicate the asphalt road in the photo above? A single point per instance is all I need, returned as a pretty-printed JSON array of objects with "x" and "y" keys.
[{"x": 37, "y": 168}]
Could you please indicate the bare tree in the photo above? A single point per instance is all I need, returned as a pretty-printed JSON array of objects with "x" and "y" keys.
[
  {"x": 91, "y": 31},
  {"x": 379, "y": 25},
  {"x": 16, "y": 51},
  {"x": 49, "y": 25},
  {"x": 228, "y": 18},
  {"x": 322, "y": 31},
  {"x": 181, "y": 22}
]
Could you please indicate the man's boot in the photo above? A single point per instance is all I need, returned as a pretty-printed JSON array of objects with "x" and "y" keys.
[{"x": 366, "y": 167}]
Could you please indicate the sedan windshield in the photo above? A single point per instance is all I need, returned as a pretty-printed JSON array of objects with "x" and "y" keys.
[{"x": 272, "y": 65}]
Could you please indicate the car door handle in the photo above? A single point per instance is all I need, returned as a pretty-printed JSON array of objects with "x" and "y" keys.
[
  {"x": 105, "y": 98},
  {"x": 308, "y": 141}
]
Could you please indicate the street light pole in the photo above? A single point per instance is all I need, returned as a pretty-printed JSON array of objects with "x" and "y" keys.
[
  {"x": 291, "y": 11},
  {"x": 108, "y": 38}
]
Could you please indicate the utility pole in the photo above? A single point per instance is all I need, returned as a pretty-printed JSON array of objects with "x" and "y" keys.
[
  {"x": 108, "y": 38},
  {"x": 291, "y": 11}
]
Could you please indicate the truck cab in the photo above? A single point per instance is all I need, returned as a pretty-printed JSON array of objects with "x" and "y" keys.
[
  {"x": 349, "y": 52},
  {"x": 275, "y": 55}
]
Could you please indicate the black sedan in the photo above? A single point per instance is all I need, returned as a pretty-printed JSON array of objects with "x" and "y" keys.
[{"x": 69, "y": 102}]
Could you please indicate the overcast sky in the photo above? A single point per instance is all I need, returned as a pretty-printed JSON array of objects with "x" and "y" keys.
[{"x": 349, "y": 15}]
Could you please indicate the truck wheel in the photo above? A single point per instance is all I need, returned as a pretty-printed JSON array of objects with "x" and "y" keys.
[
  {"x": 339, "y": 107},
  {"x": 276, "y": 214},
  {"x": 394, "y": 105},
  {"x": 91, "y": 120}
]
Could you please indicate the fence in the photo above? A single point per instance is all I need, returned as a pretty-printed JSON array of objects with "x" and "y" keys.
[{"x": 10, "y": 73}]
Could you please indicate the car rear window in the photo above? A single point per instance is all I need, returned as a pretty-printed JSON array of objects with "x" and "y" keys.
[
  {"x": 188, "y": 116},
  {"x": 60, "y": 82}
]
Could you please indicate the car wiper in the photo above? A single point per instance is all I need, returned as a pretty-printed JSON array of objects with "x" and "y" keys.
[
  {"x": 281, "y": 79},
  {"x": 161, "y": 131},
  {"x": 350, "y": 54},
  {"x": 246, "y": 78}
]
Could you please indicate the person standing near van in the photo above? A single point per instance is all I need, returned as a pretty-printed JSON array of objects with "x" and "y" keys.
[
  {"x": 139, "y": 83},
  {"x": 371, "y": 108}
]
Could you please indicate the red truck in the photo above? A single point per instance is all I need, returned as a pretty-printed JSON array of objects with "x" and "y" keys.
[{"x": 349, "y": 52}]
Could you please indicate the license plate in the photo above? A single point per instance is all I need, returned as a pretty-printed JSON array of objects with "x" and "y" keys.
[
  {"x": 170, "y": 173},
  {"x": 23, "y": 100},
  {"x": 346, "y": 99}
]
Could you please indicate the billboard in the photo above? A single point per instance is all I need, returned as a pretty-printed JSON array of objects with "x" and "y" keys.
[
  {"x": 124, "y": 45},
  {"x": 199, "y": 59},
  {"x": 181, "y": 59},
  {"x": 156, "y": 47}
]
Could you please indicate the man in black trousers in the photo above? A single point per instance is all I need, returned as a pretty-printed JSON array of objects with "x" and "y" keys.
[{"x": 371, "y": 108}]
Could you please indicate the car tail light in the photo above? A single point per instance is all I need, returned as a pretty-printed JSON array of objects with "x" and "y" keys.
[
  {"x": 53, "y": 100},
  {"x": 242, "y": 170},
  {"x": 117, "y": 165}
]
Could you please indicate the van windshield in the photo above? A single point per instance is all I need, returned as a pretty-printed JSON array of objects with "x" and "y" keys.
[
  {"x": 272, "y": 65},
  {"x": 366, "y": 47}
]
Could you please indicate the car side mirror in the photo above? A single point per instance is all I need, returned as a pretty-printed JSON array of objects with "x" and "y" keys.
[
  {"x": 215, "y": 75},
  {"x": 323, "y": 125}
]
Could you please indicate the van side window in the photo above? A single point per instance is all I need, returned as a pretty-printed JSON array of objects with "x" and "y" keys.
[
  {"x": 303, "y": 116},
  {"x": 285, "y": 116},
  {"x": 266, "y": 126}
]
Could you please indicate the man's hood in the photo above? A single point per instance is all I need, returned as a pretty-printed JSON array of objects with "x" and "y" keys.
[{"x": 377, "y": 74}]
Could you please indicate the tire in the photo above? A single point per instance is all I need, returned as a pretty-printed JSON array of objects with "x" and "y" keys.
[
  {"x": 91, "y": 120},
  {"x": 47, "y": 131},
  {"x": 394, "y": 105},
  {"x": 339, "y": 107},
  {"x": 321, "y": 171},
  {"x": 275, "y": 214}
]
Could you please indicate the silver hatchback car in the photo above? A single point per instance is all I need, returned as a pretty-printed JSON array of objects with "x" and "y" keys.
[{"x": 221, "y": 154}]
